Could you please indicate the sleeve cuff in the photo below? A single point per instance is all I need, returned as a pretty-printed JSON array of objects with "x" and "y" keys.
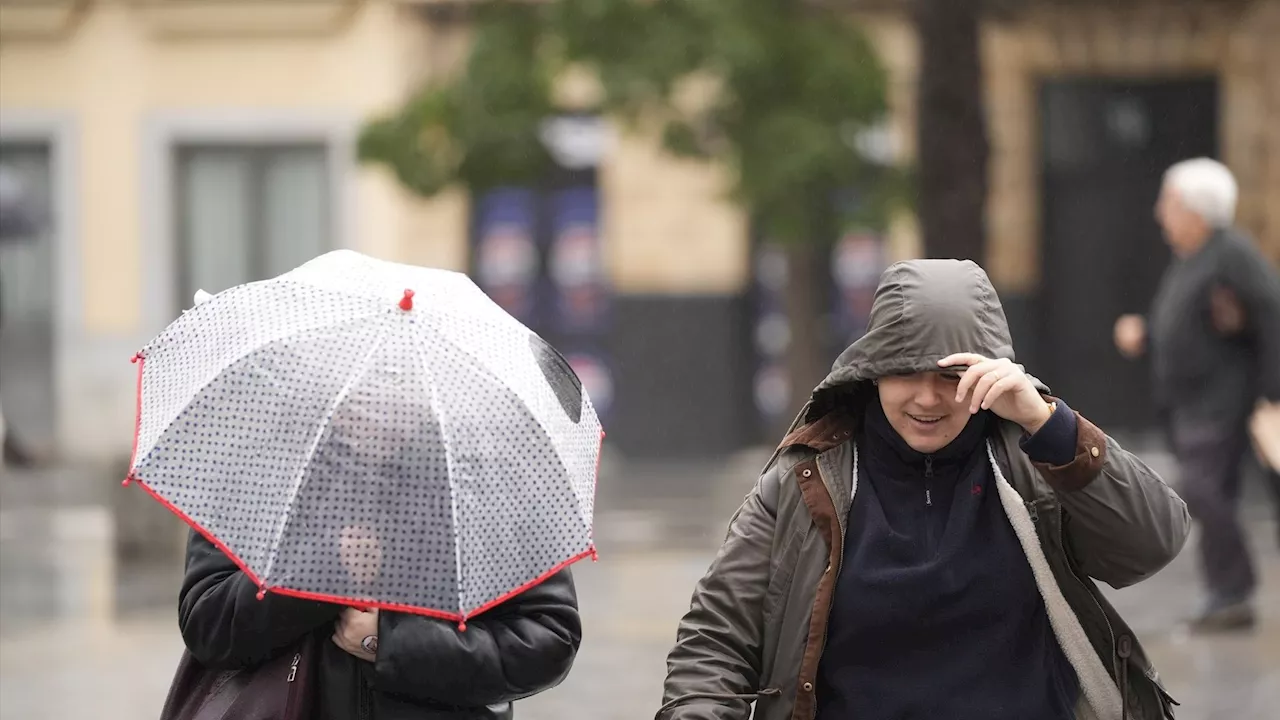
[{"x": 1055, "y": 442}]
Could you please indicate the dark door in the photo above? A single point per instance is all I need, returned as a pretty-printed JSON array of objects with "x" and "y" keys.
[{"x": 1105, "y": 145}]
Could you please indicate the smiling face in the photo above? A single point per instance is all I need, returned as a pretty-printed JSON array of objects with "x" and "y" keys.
[{"x": 922, "y": 408}]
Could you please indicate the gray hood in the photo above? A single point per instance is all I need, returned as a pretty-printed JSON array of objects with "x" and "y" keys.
[{"x": 924, "y": 310}]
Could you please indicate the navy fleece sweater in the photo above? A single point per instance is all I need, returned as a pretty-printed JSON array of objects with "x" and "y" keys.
[{"x": 936, "y": 612}]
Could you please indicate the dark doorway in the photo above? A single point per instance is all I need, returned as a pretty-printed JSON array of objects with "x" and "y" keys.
[{"x": 1105, "y": 145}]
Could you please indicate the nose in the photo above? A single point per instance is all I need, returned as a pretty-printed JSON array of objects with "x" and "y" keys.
[{"x": 929, "y": 392}]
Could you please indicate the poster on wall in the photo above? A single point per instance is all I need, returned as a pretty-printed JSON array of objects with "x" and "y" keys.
[
  {"x": 576, "y": 263},
  {"x": 771, "y": 335},
  {"x": 858, "y": 257},
  {"x": 578, "y": 289},
  {"x": 507, "y": 260},
  {"x": 538, "y": 253},
  {"x": 857, "y": 261}
]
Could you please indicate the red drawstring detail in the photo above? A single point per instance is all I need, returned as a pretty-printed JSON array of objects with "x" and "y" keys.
[{"x": 406, "y": 303}]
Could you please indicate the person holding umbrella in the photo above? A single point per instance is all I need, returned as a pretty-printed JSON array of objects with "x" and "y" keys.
[
  {"x": 383, "y": 665},
  {"x": 388, "y": 491}
]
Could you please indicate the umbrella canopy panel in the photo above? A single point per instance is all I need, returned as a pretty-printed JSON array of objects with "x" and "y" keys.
[{"x": 341, "y": 447}]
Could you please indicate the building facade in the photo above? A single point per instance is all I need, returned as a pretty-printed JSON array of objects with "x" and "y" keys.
[{"x": 171, "y": 145}]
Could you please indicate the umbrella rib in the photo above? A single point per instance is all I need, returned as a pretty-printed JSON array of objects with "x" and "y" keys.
[
  {"x": 448, "y": 461},
  {"x": 301, "y": 475}
]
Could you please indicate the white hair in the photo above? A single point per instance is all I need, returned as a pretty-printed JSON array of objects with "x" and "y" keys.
[{"x": 1207, "y": 188}]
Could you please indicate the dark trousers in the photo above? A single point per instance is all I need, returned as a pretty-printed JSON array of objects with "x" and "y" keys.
[
  {"x": 1210, "y": 457},
  {"x": 1272, "y": 479}
]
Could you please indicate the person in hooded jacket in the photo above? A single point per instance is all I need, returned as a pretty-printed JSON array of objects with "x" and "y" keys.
[{"x": 924, "y": 542}]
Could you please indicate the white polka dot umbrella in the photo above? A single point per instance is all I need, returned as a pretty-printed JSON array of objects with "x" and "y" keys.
[{"x": 368, "y": 433}]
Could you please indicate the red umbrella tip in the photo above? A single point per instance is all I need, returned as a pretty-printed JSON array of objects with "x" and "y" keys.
[
  {"x": 406, "y": 302},
  {"x": 462, "y": 626},
  {"x": 262, "y": 593},
  {"x": 127, "y": 480}
]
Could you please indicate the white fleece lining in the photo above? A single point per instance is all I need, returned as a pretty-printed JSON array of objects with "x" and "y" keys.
[{"x": 1095, "y": 682}]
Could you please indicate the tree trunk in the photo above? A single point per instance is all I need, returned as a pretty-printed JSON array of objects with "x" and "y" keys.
[{"x": 951, "y": 129}]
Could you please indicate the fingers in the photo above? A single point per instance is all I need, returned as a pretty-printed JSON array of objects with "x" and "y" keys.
[
  {"x": 345, "y": 630},
  {"x": 961, "y": 359},
  {"x": 355, "y": 623},
  {"x": 1001, "y": 387},
  {"x": 985, "y": 381},
  {"x": 989, "y": 376},
  {"x": 974, "y": 374}
]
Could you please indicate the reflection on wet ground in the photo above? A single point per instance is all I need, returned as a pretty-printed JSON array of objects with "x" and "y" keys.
[{"x": 89, "y": 575}]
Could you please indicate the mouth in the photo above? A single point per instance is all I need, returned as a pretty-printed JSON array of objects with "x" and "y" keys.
[{"x": 926, "y": 420}]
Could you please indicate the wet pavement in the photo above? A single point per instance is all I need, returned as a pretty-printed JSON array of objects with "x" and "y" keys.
[{"x": 89, "y": 573}]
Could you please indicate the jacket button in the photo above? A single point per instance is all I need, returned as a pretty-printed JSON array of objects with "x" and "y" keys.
[
  {"x": 807, "y": 472},
  {"x": 1094, "y": 451},
  {"x": 808, "y": 687}
]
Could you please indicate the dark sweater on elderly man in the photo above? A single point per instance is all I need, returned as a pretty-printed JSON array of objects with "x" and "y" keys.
[
  {"x": 936, "y": 612},
  {"x": 1202, "y": 374}
]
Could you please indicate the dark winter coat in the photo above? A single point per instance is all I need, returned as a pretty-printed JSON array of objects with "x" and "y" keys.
[
  {"x": 1201, "y": 373},
  {"x": 426, "y": 669}
]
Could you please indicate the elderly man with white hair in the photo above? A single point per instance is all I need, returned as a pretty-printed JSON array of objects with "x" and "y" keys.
[{"x": 1213, "y": 334}]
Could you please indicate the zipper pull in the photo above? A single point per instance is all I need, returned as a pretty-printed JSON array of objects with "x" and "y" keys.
[
  {"x": 928, "y": 497},
  {"x": 293, "y": 667},
  {"x": 1035, "y": 514}
]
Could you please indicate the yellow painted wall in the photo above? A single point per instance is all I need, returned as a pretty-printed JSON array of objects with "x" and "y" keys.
[
  {"x": 117, "y": 65},
  {"x": 669, "y": 227}
]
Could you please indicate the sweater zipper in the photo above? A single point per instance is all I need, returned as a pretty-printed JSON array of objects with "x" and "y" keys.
[{"x": 928, "y": 475}]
